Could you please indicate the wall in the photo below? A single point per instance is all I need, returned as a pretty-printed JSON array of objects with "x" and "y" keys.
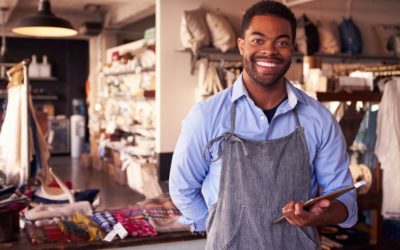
[
  {"x": 69, "y": 60},
  {"x": 175, "y": 85},
  {"x": 135, "y": 31}
]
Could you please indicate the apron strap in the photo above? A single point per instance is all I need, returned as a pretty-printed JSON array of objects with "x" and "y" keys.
[
  {"x": 228, "y": 136},
  {"x": 233, "y": 117},
  {"x": 225, "y": 137}
]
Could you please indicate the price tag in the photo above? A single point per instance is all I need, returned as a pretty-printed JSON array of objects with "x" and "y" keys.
[
  {"x": 121, "y": 231},
  {"x": 110, "y": 236}
]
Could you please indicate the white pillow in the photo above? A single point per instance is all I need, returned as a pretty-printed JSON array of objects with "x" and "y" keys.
[
  {"x": 194, "y": 32},
  {"x": 222, "y": 35}
]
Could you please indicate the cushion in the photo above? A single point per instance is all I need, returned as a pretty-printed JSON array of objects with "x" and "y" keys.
[
  {"x": 222, "y": 35},
  {"x": 329, "y": 38},
  {"x": 389, "y": 38},
  {"x": 194, "y": 32},
  {"x": 307, "y": 39}
]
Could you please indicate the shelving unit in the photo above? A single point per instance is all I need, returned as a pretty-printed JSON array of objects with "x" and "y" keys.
[
  {"x": 124, "y": 121},
  {"x": 364, "y": 96},
  {"x": 373, "y": 199},
  {"x": 234, "y": 55}
]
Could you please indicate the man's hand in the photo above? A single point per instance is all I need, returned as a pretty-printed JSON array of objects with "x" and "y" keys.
[{"x": 322, "y": 213}]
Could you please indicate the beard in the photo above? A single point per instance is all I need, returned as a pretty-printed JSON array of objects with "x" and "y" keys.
[{"x": 266, "y": 80}]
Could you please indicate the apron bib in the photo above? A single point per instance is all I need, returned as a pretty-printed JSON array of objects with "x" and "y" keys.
[{"x": 257, "y": 179}]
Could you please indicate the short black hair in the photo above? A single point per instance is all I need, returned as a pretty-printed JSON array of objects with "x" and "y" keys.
[{"x": 268, "y": 8}]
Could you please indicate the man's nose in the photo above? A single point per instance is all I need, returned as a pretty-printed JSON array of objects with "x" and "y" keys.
[{"x": 269, "y": 49}]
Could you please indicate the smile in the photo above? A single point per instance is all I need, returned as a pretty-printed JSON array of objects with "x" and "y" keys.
[{"x": 267, "y": 64}]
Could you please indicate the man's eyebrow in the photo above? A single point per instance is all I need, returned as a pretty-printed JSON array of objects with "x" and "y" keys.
[
  {"x": 263, "y": 35},
  {"x": 257, "y": 33}
]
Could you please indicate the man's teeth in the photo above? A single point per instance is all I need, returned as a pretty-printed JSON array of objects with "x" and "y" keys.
[{"x": 266, "y": 64}]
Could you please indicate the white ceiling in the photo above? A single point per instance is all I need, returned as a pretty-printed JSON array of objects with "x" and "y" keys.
[{"x": 119, "y": 12}]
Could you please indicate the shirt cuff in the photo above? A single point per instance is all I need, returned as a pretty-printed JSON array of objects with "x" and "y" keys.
[
  {"x": 352, "y": 210},
  {"x": 195, "y": 226}
]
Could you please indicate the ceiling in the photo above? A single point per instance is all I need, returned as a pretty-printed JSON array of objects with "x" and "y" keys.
[{"x": 119, "y": 13}]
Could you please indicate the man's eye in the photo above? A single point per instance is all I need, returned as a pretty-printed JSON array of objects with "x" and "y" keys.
[
  {"x": 282, "y": 43},
  {"x": 257, "y": 41}
]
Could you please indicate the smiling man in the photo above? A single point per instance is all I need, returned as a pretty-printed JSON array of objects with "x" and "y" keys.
[{"x": 259, "y": 149}]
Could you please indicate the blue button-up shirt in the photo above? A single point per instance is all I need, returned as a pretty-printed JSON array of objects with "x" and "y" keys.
[{"x": 194, "y": 181}]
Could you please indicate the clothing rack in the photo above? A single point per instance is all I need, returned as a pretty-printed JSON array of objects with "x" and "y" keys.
[{"x": 15, "y": 68}]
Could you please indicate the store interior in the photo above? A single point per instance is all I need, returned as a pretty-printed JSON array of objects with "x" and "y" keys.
[{"x": 107, "y": 105}]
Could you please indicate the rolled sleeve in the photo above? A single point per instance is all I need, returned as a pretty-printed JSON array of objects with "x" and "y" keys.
[
  {"x": 352, "y": 209},
  {"x": 188, "y": 171}
]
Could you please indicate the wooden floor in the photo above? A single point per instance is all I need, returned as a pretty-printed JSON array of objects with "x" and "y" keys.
[{"x": 113, "y": 195}]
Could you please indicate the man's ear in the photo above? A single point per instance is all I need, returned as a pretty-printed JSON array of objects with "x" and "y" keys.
[{"x": 240, "y": 44}]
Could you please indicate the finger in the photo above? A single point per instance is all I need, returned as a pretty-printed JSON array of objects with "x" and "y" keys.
[
  {"x": 298, "y": 209},
  {"x": 324, "y": 203},
  {"x": 320, "y": 206},
  {"x": 294, "y": 213}
]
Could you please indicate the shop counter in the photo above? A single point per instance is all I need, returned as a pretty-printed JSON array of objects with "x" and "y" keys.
[{"x": 23, "y": 242}]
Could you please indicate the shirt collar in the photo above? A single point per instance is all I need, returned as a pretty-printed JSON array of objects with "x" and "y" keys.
[{"x": 294, "y": 95}]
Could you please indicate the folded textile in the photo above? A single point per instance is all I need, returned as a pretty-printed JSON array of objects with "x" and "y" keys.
[
  {"x": 85, "y": 195},
  {"x": 59, "y": 210},
  {"x": 46, "y": 234},
  {"x": 105, "y": 220},
  {"x": 71, "y": 229},
  {"x": 86, "y": 223},
  {"x": 162, "y": 212},
  {"x": 137, "y": 228}
]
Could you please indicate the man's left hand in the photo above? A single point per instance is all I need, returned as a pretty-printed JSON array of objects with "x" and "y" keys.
[{"x": 296, "y": 215}]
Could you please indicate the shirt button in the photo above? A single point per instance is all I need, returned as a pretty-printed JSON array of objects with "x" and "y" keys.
[{"x": 262, "y": 117}]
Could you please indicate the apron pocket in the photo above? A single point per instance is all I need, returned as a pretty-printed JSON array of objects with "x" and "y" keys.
[
  {"x": 306, "y": 236},
  {"x": 234, "y": 233}
]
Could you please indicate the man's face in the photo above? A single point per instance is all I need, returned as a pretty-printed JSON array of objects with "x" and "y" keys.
[{"x": 267, "y": 50}]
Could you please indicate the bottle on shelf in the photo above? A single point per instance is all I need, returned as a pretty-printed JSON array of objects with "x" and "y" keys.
[
  {"x": 45, "y": 68},
  {"x": 34, "y": 67}
]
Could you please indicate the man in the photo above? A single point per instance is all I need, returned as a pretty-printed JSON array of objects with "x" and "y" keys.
[{"x": 259, "y": 149}]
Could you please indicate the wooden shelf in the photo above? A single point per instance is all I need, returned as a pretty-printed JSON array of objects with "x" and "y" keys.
[
  {"x": 351, "y": 58},
  {"x": 36, "y": 79},
  {"x": 365, "y": 96},
  {"x": 50, "y": 79},
  {"x": 234, "y": 55},
  {"x": 38, "y": 97},
  {"x": 146, "y": 94},
  {"x": 129, "y": 72}
]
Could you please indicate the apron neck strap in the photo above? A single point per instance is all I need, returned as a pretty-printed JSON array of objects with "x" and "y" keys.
[{"x": 233, "y": 117}]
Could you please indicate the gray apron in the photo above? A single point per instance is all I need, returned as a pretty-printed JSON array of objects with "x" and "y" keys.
[{"x": 257, "y": 179}]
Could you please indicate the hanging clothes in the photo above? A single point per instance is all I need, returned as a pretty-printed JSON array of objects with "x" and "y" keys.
[
  {"x": 365, "y": 140},
  {"x": 387, "y": 147},
  {"x": 14, "y": 136},
  {"x": 13, "y": 139}
]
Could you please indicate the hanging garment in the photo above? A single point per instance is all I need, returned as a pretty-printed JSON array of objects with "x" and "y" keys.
[
  {"x": 365, "y": 140},
  {"x": 257, "y": 179},
  {"x": 13, "y": 135},
  {"x": 387, "y": 147}
]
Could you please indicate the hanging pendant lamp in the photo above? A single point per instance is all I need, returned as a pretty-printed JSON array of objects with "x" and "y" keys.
[{"x": 45, "y": 24}]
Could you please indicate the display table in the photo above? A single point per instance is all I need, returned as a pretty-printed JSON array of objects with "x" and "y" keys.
[{"x": 24, "y": 243}]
